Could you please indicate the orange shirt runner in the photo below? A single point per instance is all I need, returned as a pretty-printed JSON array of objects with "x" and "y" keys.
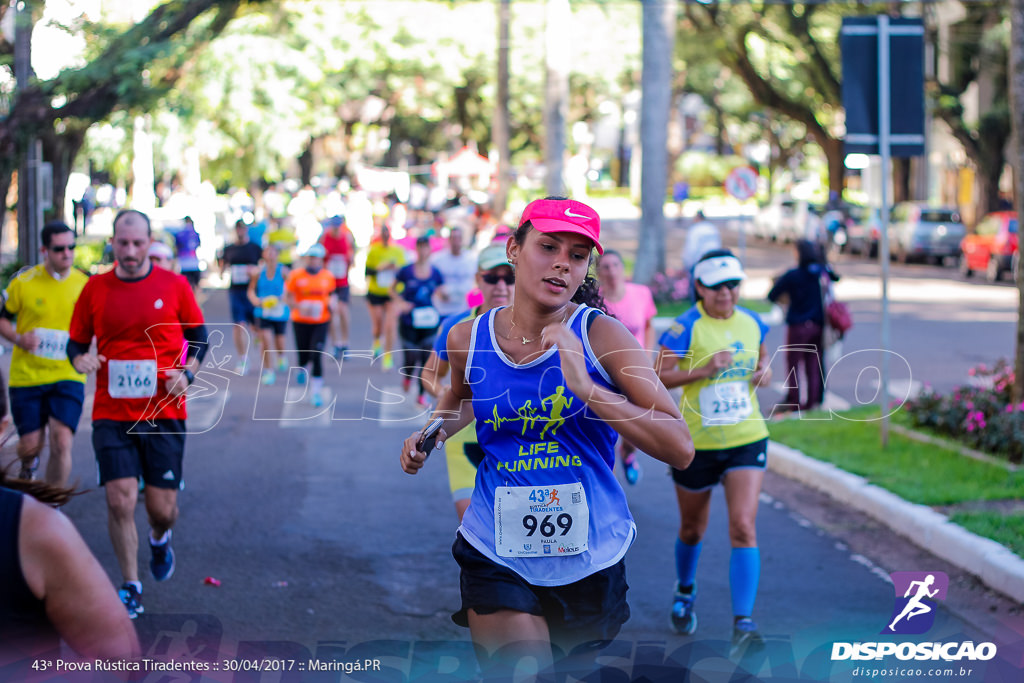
[{"x": 312, "y": 295}]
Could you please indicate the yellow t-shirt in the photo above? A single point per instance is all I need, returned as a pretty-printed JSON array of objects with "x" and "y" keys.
[
  {"x": 41, "y": 303},
  {"x": 380, "y": 284},
  {"x": 284, "y": 239},
  {"x": 721, "y": 412}
]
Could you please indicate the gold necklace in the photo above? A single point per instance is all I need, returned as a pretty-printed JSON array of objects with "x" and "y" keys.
[{"x": 526, "y": 341}]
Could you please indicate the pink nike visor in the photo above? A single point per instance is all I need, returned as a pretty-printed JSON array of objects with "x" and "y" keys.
[{"x": 564, "y": 215}]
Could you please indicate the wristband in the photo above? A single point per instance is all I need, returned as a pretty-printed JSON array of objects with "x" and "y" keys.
[{"x": 189, "y": 375}]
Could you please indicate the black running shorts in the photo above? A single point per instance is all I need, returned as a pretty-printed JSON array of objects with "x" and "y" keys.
[
  {"x": 709, "y": 466},
  {"x": 591, "y": 609},
  {"x": 138, "y": 449}
]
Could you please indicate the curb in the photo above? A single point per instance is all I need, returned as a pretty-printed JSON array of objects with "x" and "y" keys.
[{"x": 991, "y": 562}]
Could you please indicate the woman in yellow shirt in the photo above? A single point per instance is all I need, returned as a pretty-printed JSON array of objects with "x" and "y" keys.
[{"x": 382, "y": 263}]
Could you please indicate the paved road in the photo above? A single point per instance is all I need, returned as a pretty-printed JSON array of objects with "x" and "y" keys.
[{"x": 325, "y": 550}]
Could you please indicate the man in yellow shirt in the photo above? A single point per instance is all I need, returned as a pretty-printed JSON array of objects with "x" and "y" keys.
[
  {"x": 46, "y": 391},
  {"x": 283, "y": 237}
]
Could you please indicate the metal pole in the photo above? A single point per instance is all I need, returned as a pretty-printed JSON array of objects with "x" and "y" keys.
[{"x": 884, "y": 152}]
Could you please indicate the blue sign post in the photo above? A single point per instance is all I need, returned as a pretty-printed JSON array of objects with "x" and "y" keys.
[{"x": 883, "y": 94}]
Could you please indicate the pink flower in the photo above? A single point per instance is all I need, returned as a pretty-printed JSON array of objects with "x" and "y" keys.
[
  {"x": 971, "y": 372},
  {"x": 1009, "y": 408}
]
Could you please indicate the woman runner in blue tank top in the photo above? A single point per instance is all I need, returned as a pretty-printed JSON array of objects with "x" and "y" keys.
[
  {"x": 266, "y": 292},
  {"x": 550, "y": 381}
]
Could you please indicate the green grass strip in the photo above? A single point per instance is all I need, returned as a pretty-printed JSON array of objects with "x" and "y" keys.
[
  {"x": 917, "y": 472},
  {"x": 677, "y": 308},
  {"x": 1005, "y": 529}
]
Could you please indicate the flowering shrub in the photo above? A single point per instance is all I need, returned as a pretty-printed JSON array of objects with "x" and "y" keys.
[
  {"x": 980, "y": 415},
  {"x": 670, "y": 288}
]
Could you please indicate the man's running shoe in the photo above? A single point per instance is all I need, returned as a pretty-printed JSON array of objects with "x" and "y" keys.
[
  {"x": 632, "y": 469},
  {"x": 423, "y": 400},
  {"x": 318, "y": 399},
  {"x": 161, "y": 564},
  {"x": 300, "y": 376},
  {"x": 269, "y": 377},
  {"x": 684, "y": 618},
  {"x": 241, "y": 368},
  {"x": 376, "y": 350},
  {"x": 282, "y": 365},
  {"x": 28, "y": 470},
  {"x": 131, "y": 599},
  {"x": 745, "y": 638},
  {"x": 387, "y": 363},
  {"x": 344, "y": 351},
  {"x": 339, "y": 352},
  {"x": 406, "y": 383}
]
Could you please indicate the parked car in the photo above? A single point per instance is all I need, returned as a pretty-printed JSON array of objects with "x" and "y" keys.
[
  {"x": 862, "y": 230},
  {"x": 775, "y": 218},
  {"x": 918, "y": 231},
  {"x": 992, "y": 247}
]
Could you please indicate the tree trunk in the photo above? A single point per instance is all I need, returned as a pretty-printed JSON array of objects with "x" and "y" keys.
[
  {"x": 501, "y": 122},
  {"x": 659, "y": 30},
  {"x": 306, "y": 163},
  {"x": 61, "y": 149},
  {"x": 556, "y": 93},
  {"x": 988, "y": 186},
  {"x": 5, "y": 185},
  {"x": 1016, "y": 75},
  {"x": 901, "y": 181}
]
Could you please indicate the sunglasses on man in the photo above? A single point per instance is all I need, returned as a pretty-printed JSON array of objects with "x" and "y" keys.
[
  {"x": 728, "y": 284},
  {"x": 492, "y": 278},
  {"x": 60, "y": 249}
]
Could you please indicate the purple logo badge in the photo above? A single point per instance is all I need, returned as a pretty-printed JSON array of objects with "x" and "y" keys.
[{"x": 917, "y": 594}]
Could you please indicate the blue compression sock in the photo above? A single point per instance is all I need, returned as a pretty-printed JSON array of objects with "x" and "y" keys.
[
  {"x": 686, "y": 562},
  {"x": 744, "y": 574}
]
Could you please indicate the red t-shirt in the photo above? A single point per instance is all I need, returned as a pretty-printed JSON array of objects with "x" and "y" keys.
[
  {"x": 339, "y": 256},
  {"x": 138, "y": 327}
]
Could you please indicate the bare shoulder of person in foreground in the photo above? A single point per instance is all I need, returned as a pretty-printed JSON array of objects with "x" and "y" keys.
[{"x": 80, "y": 601}]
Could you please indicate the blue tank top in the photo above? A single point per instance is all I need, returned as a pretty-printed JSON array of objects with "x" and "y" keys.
[
  {"x": 548, "y": 465},
  {"x": 274, "y": 286}
]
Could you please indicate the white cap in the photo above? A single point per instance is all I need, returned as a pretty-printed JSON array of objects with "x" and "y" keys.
[
  {"x": 160, "y": 250},
  {"x": 718, "y": 269}
]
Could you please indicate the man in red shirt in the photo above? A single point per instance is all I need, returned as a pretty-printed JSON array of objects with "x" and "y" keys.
[
  {"x": 337, "y": 241},
  {"x": 141, "y": 318}
]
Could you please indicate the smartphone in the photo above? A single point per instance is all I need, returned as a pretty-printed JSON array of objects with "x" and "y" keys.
[{"x": 428, "y": 438}]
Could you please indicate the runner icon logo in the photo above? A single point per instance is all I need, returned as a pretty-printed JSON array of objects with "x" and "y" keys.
[{"x": 917, "y": 594}]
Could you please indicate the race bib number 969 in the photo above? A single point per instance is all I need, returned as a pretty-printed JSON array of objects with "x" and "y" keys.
[{"x": 541, "y": 521}]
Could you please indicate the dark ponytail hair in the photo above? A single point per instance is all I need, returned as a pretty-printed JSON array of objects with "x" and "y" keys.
[
  {"x": 40, "y": 490},
  {"x": 589, "y": 292}
]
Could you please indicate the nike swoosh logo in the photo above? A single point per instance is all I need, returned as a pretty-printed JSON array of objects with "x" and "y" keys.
[{"x": 570, "y": 214}]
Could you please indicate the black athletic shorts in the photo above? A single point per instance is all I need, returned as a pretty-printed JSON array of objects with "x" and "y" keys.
[
  {"x": 276, "y": 326},
  {"x": 377, "y": 299},
  {"x": 709, "y": 466},
  {"x": 591, "y": 609},
  {"x": 138, "y": 449},
  {"x": 342, "y": 293}
]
